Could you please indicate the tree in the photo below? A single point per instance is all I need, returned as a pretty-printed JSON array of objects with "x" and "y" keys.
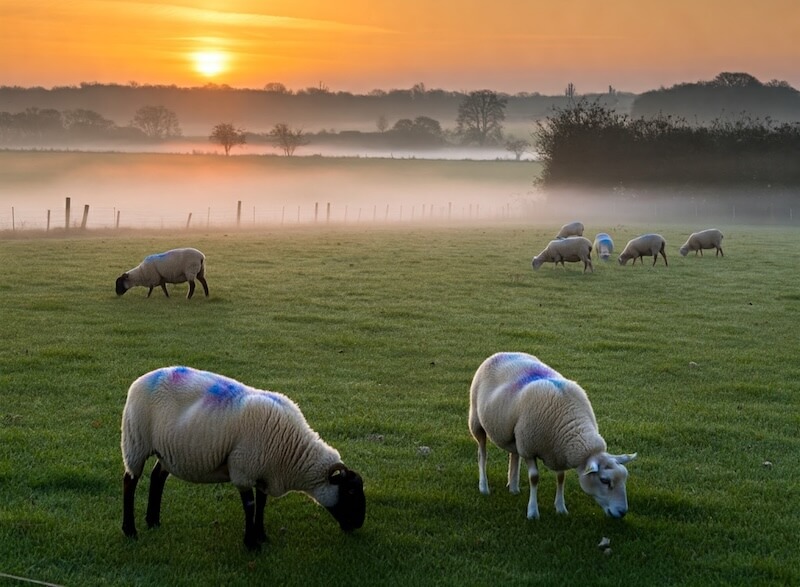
[
  {"x": 480, "y": 117},
  {"x": 228, "y": 136},
  {"x": 517, "y": 146},
  {"x": 570, "y": 92},
  {"x": 157, "y": 122},
  {"x": 288, "y": 139},
  {"x": 86, "y": 123},
  {"x": 277, "y": 88},
  {"x": 382, "y": 123}
]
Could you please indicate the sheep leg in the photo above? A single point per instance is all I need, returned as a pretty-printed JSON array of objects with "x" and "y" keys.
[
  {"x": 128, "y": 492},
  {"x": 158, "y": 477},
  {"x": 164, "y": 287},
  {"x": 483, "y": 482},
  {"x": 201, "y": 277},
  {"x": 261, "y": 503},
  {"x": 533, "y": 476},
  {"x": 191, "y": 289},
  {"x": 149, "y": 291},
  {"x": 513, "y": 473},
  {"x": 251, "y": 541},
  {"x": 561, "y": 507}
]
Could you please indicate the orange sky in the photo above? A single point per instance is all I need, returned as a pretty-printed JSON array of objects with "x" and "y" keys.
[{"x": 360, "y": 45}]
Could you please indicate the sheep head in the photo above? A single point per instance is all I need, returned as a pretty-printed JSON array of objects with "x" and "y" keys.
[
  {"x": 122, "y": 284},
  {"x": 603, "y": 477},
  {"x": 351, "y": 505}
]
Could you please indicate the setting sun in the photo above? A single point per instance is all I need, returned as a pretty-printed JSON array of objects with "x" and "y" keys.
[{"x": 209, "y": 63}]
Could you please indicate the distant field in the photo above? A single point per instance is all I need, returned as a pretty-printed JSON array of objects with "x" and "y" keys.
[{"x": 376, "y": 332}]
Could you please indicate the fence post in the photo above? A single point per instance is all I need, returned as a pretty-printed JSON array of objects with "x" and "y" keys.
[
  {"x": 13, "y": 228},
  {"x": 239, "y": 213},
  {"x": 189, "y": 220},
  {"x": 117, "y": 226},
  {"x": 449, "y": 210},
  {"x": 386, "y": 217},
  {"x": 316, "y": 211},
  {"x": 66, "y": 216},
  {"x": 48, "y": 221},
  {"x": 85, "y": 216},
  {"x": 328, "y": 213},
  {"x": 283, "y": 213}
]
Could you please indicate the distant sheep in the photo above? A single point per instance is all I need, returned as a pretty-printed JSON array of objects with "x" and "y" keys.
[
  {"x": 175, "y": 266},
  {"x": 642, "y": 246},
  {"x": 571, "y": 229},
  {"x": 531, "y": 411},
  {"x": 571, "y": 249},
  {"x": 705, "y": 239},
  {"x": 206, "y": 428},
  {"x": 603, "y": 246}
]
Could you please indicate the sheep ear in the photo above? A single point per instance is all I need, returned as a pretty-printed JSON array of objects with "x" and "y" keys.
[
  {"x": 622, "y": 459},
  {"x": 591, "y": 467},
  {"x": 337, "y": 474}
]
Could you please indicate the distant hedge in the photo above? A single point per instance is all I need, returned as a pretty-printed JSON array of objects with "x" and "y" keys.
[{"x": 588, "y": 144}]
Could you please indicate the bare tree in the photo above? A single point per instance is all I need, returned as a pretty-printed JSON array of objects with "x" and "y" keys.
[
  {"x": 228, "y": 136},
  {"x": 157, "y": 122},
  {"x": 287, "y": 138},
  {"x": 480, "y": 117},
  {"x": 382, "y": 123},
  {"x": 570, "y": 92},
  {"x": 517, "y": 146}
]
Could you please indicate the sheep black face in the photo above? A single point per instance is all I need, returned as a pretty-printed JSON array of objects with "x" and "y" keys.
[
  {"x": 351, "y": 507},
  {"x": 121, "y": 285}
]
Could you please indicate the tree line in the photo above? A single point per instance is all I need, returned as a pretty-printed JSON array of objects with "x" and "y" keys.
[{"x": 586, "y": 143}]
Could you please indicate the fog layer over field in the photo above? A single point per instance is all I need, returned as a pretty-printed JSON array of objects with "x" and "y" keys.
[{"x": 163, "y": 190}]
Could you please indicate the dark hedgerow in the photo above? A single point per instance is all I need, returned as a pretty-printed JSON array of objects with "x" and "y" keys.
[{"x": 587, "y": 143}]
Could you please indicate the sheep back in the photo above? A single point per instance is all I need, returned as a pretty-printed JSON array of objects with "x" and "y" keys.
[
  {"x": 571, "y": 229},
  {"x": 528, "y": 408},
  {"x": 571, "y": 249},
  {"x": 705, "y": 239}
]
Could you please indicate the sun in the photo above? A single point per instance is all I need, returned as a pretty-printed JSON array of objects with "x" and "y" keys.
[{"x": 209, "y": 63}]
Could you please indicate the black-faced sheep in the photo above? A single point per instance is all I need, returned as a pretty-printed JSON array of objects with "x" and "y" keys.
[
  {"x": 571, "y": 229},
  {"x": 644, "y": 246},
  {"x": 705, "y": 239},
  {"x": 206, "y": 428},
  {"x": 175, "y": 266},
  {"x": 603, "y": 246},
  {"x": 531, "y": 411},
  {"x": 571, "y": 249}
]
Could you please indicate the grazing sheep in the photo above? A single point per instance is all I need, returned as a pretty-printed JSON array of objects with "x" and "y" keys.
[
  {"x": 705, "y": 239},
  {"x": 206, "y": 428},
  {"x": 531, "y": 411},
  {"x": 571, "y": 249},
  {"x": 571, "y": 229},
  {"x": 175, "y": 266},
  {"x": 645, "y": 245},
  {"x": 603, "y": 246}
]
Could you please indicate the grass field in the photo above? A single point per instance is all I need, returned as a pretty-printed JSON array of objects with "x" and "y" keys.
[{"x": 376, "y": 333}]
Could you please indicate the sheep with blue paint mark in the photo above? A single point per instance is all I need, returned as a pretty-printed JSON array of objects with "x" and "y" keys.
[
  {"x": 603, "y": 246},
  {"x": 571, "y": 229},
  {"x": 530, "y": 410},
  {"x": 207, "y": 428},
  {"x": 174, "y": 266}
]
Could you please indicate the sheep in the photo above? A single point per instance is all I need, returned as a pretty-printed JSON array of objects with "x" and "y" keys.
[
  {"x": 207, "y": 428},
  {"x": 571, "y": 229},
  {"x": 647, "y": 244},
  {"x": 175, "y": 266},
  {"x": 571, "y": 249},
  {"x": 530, "y": 410},
  {"x": 705, "y": 239},
  {"x": 603, "y": 246}
]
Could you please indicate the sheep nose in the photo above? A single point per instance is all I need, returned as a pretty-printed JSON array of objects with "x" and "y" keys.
[{"x": 619, "y": 514}]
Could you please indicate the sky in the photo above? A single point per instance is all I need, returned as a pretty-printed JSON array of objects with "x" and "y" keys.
[{"x": 361, "y": 45}]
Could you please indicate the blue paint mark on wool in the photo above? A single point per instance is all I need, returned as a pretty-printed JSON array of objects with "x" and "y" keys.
[
  {"x": 531, "y": 370},
  {"x": 156, "y": 256},
  {"x": 223, "y": 391}
]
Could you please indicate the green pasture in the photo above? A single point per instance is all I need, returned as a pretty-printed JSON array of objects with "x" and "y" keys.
[{"x": 376, "y": 333}]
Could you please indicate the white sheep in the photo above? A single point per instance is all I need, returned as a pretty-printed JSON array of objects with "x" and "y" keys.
[
  {"x": 531, "y": 411},
  {"x": 571, "y": 229},
  {"x": 175, "y": 266},
  {"x": 705, "y": 239},
  {"x": 206, "y": 428},
  {"x": 645, "y": 245},
  {"x": 603, "y": 246},
  {"x": 571, "y": 249}
]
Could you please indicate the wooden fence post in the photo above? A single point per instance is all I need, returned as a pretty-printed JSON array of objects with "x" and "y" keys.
[
  {"x": 328, "y": 213},
  {"x": 66, "y": 216},
  {"x": 13, "y": 228},
  {"x": 117, "y": 225},
  {"x": 239, "y": 213},
  {"x": 189, "y": 220},
  {"x": 85, "y": 216},
  {"x": 48, "y": 221},
  {"x": 316, "y": 211}
]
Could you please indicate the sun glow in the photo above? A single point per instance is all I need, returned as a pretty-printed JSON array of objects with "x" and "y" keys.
[{"x": 209, "y": 63}]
